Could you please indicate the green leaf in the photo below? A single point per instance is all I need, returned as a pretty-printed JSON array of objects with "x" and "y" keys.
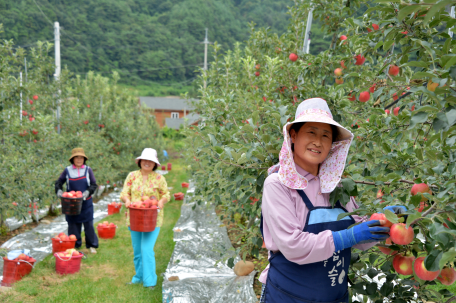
[
  {"x": 421, "y": 75},
  {"x": 218, "y": 149},
  {"x": 407, "y": 10},
  {"x": 432, "y": 260},
  {"x": 371, "y": 288},
  {"x": 349, "y": 186},
  {"x": 450, "y": 62},
  {"x": 387, "y": 44},
  {"x": 386, "y": 289},
  {"x": 212, "y": 139},
  {"x": 451, "y": 116},
  {"x": 392, "y": 217},
  {"x": 372, "y": 258},
  {"x": 419, "y": 117},
  {"x": 412, "y": 218},
  {"x": 447, "y": 256},
  {"x": 387, "y": 1},
  {"x": 416, "y": 64},
  {"x": 435, "y": 9}
]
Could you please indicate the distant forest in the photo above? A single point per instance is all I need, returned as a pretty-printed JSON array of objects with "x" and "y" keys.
[{"x": 145, "y": 40}]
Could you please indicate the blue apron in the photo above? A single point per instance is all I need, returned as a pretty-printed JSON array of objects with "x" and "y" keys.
[
  {"x": 320, "y": 282},
  {"x": 82, "y": 185}
]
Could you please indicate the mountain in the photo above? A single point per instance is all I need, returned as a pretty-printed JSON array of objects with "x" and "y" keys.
[{"x": 145, "y": 40}]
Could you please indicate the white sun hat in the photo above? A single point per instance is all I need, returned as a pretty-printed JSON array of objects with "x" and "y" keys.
[
  {"x": 148, "y": 154},
  {"x": 331, "y": 169}
]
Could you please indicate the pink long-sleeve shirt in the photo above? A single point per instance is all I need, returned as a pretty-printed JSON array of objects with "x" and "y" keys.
[{"x": 284, "y": 218}]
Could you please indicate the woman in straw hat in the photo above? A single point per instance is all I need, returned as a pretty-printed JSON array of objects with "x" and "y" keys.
[
  {"x": 309, "y": 249},
  {"x": 139, "y": 184},
  {"x": 79, "y": 177}
]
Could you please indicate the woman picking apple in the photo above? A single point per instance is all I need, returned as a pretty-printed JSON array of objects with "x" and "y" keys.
[
  {"x": 139, "y": 184},
  {"x": 309, "y": 249},
  {"x": 79, "y": 177}
]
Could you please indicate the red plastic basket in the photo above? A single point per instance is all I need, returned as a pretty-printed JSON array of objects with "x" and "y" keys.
[
  {"x": 59, "y": 245},
  {"x": 113, "y": 209},
  {"x": 163, "y": 167},
  {"x": 179, "y": 196},
  {"x": 106, "y": 232},
  {"x": 169, "y": 166},
  {"x": 65, "y": 266},
  {"x": 143, "y": 219},
  {"x": 71, "y": 206},
  {"x": 185, "y": 184},
  {"x": 14, "y": 270}
]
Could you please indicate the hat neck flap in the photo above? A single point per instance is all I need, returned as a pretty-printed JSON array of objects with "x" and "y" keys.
[{"x": 330, "y": 172}]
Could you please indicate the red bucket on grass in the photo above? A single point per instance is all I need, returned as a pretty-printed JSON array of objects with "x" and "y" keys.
[
  {"x": 106, "y": 232},
  {"x": 59, "y": 245},
  {"x": 14, "y": 270},
  {"x": 71, "y": 206},
  {"x": 143, "y": 219},
  {"x": 67, "y": 265},
  {"x": 178, "y": 196},
  {"x": 185, "y": 184},
  {"x": 169, "y": 166},
  {"x": 113, "y": 209}
]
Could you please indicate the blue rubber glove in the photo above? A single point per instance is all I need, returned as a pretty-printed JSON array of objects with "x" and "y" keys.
[
  {"x": 366, "y": 232},
  {"x": 397, "y": 209}
]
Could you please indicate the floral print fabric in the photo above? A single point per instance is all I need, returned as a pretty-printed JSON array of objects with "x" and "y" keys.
[
  {"x": 330, "y": 170},
  {"x": 134, "y": 188}
]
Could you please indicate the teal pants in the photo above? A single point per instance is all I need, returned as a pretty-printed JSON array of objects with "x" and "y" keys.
[{"x": 144, "y": 257}]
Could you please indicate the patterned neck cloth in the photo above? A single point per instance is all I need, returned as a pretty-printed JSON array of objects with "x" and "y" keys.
[{"x": 331, "y": 169}]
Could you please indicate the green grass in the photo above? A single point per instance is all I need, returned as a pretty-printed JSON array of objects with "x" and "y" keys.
[{"x": 103, "y": 276}]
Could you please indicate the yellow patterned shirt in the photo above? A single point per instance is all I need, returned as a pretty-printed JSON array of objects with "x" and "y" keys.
[{"x": 134, "y": 188}]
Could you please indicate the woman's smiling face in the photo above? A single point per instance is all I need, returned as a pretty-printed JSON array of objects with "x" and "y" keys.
[{"x": 311, "y": 145}]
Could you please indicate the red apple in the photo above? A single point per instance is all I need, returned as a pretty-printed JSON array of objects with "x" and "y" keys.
[
  {"x": 31, "y": 101},
  {"x": 342, "y": 38},
  {"x": 401, "y": 235},
  {"x": 338, "y": 72},
  {"x": 257, "y": 74},
  {"x": 372, "y": 88},
  {"x": 264, "y": 99},
  {"x": 111, "y": 225},
  {"x": 342, "y": 63},
  {"x": 396, "y": 111},
  {"x": 403, "y": 264},
  {"x": 351, "y": 96},
  {"x": 421, "y": 271},
  {"x": 86, "y": 121},
  {"x": 379, "y": 216},
  {"x": 364, "y": 96},
  {"x": 359, "y": 60},
  {"x": 62, "y": 234},
  {"x": 24, "y": 113},
  {"x": 72, "y": 237},
  {"x": 419, "y": 189},
  {"x": 447, "y": 276},
  {"x": 100, "y": 225},
  {"x": 386, "y": 250},
  {"x": 375, "y": 26},
  {"x": 413, "y": 107},
  {"x": 88, "y": 105},
  {"x": 293, "y": 57},
  {"x": 339, "y": 80},
  {"x": 64, "y": 238},
  {"x": 387, "y": 111},
  {"x": 393, "y": 70},
  {"x": 35, "y": 97},
  {"x": 395, "y": 97},
  {"x": 257, "y": 66}
]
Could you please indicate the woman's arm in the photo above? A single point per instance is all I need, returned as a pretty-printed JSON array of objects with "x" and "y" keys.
[
  {"x": 352, "y": 206},
  {"x": 125, "y": 195},
  {"x": 60, "y": 181},
  {"x": 164, "y": 192},
  {"x": 93, "y": 183},
  {"x": 283, "y": 229}
]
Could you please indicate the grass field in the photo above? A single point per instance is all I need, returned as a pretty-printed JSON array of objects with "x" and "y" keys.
[{"x": 103, "y": 276}]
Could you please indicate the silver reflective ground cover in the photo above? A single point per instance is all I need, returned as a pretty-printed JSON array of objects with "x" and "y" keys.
[
  {"x": 38, "y": 240},
  {"x": 202, "y": 240}
]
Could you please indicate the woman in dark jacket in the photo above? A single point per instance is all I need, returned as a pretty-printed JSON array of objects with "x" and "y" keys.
[{"x": 79, "y": 177}]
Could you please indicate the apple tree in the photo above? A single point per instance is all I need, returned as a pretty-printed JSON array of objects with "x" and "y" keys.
[{"x": 395, "y": 90}]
